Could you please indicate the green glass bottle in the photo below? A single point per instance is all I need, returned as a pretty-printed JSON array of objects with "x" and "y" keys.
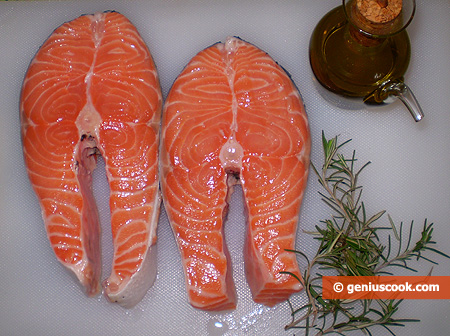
[{"x": 363, "y": 61}]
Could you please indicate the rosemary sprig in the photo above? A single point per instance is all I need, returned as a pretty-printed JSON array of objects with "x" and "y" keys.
[{"x": 350, "y": 245}]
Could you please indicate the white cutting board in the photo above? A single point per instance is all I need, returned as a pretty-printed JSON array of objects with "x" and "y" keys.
[{"x": 409, "y": 175}]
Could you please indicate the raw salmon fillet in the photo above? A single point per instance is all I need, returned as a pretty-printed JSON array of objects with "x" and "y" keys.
[
  {"x": 93, "y": 89},
  {"x": 234, "y": 116}
]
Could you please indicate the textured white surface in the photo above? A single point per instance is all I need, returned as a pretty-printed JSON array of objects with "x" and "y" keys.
[{"x": 408, "y": 175}]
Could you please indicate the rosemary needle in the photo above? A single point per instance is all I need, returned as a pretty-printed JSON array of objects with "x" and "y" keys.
[{"x": 350, "y": 246}]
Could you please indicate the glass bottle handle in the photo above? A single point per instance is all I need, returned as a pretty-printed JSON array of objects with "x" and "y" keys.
[{"x": 402, "y": 91}]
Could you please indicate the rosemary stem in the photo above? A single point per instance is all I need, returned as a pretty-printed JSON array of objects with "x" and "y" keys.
[{"x": 349, "y": 245}]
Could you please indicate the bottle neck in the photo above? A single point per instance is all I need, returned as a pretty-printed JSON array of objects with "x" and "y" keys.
[
  {"x": 366, "y": 28},
  {"x": 362, "y": 38}
]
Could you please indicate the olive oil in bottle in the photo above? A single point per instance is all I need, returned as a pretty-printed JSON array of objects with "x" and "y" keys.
[{"x": 361, "y": 50}]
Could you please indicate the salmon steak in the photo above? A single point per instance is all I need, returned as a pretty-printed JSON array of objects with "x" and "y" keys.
[
  {"x": 232, "y": 116},
  {"x": 92, "y": 89}
]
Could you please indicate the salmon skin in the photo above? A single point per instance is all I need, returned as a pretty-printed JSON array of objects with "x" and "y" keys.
[
  {"x": 93, "y": 89},
  {"x": 232, "y": 116}
]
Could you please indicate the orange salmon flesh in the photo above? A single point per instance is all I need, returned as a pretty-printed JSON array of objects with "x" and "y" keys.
[
  {"x": 234, "y": 116},
  {"x": 93, "y": 89}
]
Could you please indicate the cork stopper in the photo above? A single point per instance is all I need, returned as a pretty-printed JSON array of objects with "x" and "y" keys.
[
  {"x": 378, "y": 18},
  {"x": 379, "y": 11}
]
